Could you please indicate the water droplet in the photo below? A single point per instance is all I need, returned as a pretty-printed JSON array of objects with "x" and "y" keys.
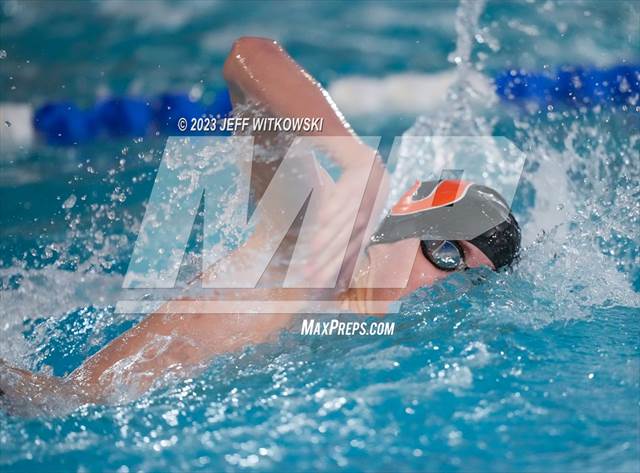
[
  {"x": 7, "y": 123},
  {"x": 70, "y": 202},
  {"x": 3, "y": 54},
  {"x": 195, "y": 93}
]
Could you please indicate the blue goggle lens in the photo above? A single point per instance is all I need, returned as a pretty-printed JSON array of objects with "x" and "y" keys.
[{"x": 446, "y": 255}]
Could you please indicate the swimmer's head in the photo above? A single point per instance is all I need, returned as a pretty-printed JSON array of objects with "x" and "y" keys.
[{"x": 458, "y": 224}]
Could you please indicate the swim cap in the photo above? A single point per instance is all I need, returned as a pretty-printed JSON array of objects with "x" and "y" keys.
[{"x": 454, "y": 210}]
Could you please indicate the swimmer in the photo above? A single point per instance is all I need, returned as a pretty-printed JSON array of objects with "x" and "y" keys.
[{"x": 259, "y": 71}]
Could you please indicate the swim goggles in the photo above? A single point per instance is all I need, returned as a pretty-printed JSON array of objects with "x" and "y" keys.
[{"x": 446, "y": 255}]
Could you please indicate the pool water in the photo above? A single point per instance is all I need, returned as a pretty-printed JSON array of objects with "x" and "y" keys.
[{"x": 535, "y": 369}]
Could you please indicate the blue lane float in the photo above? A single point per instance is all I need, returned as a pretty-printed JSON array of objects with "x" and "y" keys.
[
  {"x": 572, "y": 87},
  {"x": 65, "y": 124},
  {"x": 121, "y": 116}
]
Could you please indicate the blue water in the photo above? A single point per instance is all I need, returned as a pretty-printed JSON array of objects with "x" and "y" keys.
[{"x": 536, "y": 369}]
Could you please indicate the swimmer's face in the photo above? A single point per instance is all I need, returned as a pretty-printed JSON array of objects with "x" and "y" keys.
[{"x": 390, "y": 263}]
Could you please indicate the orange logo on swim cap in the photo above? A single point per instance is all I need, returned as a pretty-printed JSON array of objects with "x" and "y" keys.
[{"x": 444, "y": 193}]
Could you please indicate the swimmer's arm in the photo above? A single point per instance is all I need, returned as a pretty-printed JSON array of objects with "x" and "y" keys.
[
  {"x": 160, "y": 344},
  {"x": 165, "y": 342},
  {"x": 259, "y": 69}
]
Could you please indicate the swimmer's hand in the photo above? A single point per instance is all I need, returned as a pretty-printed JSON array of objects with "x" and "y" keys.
[{"x": 29, "y": 394}]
